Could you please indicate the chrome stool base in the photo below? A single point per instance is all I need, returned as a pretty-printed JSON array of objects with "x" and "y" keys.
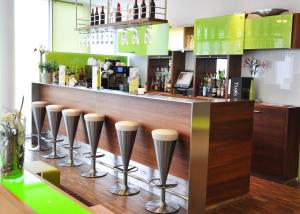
[
  {"x": 119, "y": 189},
  {"x": 75, "y": 146},
  {"x": 53, "y": 155},
  {"x": 70, "y": 163},
  {"x": 39, "y": 148},
  {"x": 155, "y": 206},
  {"x": 93, "y": 174}
]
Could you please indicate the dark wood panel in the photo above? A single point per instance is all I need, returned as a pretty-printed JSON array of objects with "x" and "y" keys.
[
  {"x": 296, "y": 31},
  {"x": 276, "y": 142},
  {"x": 171, "y": 115},
  {"x": 229, "y": 151}
]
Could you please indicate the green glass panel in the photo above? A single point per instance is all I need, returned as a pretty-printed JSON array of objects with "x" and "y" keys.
[
  {"x": 223, "y": 35},
  {"x": 158, "y": 43},
  {"x": 77, "y": 59},
  {"x": 269, "y": 32},
  {"x": 41, "y": 197}
]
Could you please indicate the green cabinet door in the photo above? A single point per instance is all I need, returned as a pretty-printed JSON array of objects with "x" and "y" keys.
[
  {"x": 223, "y": 35},
  {"x": 269, "y": 32},
  {"x": 156, "y": 44}
]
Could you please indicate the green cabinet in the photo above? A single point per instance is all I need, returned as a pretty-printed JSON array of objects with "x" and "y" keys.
[
  {"x": 269, "y": 32},
  {"x": 157, "y": 44},
  {"x": 223, "y": 35}
]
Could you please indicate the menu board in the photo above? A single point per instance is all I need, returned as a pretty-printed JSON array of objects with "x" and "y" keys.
[
  {"x": 222, "y": 35},
  {"x": 269, "y": 32}
]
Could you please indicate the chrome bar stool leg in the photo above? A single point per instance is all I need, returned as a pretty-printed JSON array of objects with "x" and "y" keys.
[
  {"x": 126, "y": 131},
  {"x": 39, "y": 112},
  {"x": 94, "y": 124},
  {"x": 71, "y": 119},
  {"x": 54, "y": 116},
  {"x": 164, "y": 143}
]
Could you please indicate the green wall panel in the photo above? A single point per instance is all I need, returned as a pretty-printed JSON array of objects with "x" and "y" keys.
[
  {"x": 158, "y": 44},
  {"x": 64, "y": 37},
  {"x": 78, "y": 59},
  {"x": 269, "y": 32},
  {"x": 222, "y": 35}
]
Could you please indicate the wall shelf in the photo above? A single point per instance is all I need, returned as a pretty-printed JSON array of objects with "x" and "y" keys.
[{"x": 124, "y": 24}]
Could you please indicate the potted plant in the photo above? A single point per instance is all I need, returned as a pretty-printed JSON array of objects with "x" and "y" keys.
[
  {"x": 12, "y": 138},
  {"x": 48, "y": 68}
]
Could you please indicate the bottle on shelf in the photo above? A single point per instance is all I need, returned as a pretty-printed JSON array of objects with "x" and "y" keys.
[
  {"x": 222, "y": 92},
  {"x": 97, "y": 17},
  {"x": 118, "y": 13},
  {"x": 92, "y": 17},
  {"x": 152, "y": 9},
  {"x": 169, "y": 87},
  {"x": 102, "y": 16},
  {"x": 135, "y": 10},
  {"x": 218, "y": 89},
  {"x": 205, "y": 87},
  {"x": 143, "y": 9}
]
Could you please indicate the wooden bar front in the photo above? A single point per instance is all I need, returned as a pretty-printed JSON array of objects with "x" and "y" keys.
[{"x": 230, "y": 133}]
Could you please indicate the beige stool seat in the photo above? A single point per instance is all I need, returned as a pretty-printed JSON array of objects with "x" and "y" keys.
[
  {"x": 127, "y": 126},
  {"x": 38, "y": 104},
  {"x": 54, "y": 108},
  {"x": 71, "y": 112},
  {"x": 167, "y": 135},
  {"x": 94, "y": 117}
]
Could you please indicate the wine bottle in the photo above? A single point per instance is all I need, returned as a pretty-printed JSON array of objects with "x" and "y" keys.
[
  {"x": 92, "y": 17},
  {"x": 135, "y": 10},
  {"x": 97, "y": 17},
  {"x": 152, "y": 9},
  {"x": 102, "y": 16},
  {"x": 118, "y": 13},
  {"x": 144, "y": 9}
]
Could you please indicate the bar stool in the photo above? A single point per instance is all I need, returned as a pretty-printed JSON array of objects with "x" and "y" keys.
[
  {"x": 126, "y": 131},
  {"x": 39, "y": 112},
  {"x": 71, "y": 119},
  {"x": 54, "y": 117},
  {"x": 164, "y": 143},
  {"x": 94, "y": 124}
]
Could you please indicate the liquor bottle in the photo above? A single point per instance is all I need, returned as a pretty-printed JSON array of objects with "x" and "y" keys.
[
  {"x": 135, "y": 10},
  {"x": 222, "y": 94},
  {"x": 118, "y": 13},
  {"x": 152, "y": 9},
  {"x": 144, "y": 9},
  {"x": 102, "y": 16},
  {"x": 169, "y": 86},
  {"x": 204, "y": 90},
  {"x": 92, "y": 17},
  {"x": 218, "y": 89},
  {"x": 214, "y": 88},
  {"x": 97, "y": 17}
]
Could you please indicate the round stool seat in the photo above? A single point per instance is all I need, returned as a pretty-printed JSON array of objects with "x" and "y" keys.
[
  {"x": 127, "y": 126},
  {"x": 94, "y": 117},
  {"x": 167, "y": 135},
  {"x": 71, "y": 112},
  {"x": 54, "y": 108},
  {"x": 38, "y": 104}
]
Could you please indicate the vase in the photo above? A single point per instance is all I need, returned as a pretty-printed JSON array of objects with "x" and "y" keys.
[
  {"x": 46, "y": 78},
  {"x": 251, "y": 92},
  {"x": 12, "y": 142}
]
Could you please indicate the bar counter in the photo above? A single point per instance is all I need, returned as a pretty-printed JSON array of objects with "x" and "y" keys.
[{"x": 215, "y": 136}]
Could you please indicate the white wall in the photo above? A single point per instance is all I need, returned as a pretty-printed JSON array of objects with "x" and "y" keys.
[{"x": 6, "y": 54}]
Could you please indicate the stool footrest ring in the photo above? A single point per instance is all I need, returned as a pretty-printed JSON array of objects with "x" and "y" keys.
[
  {"x": 160, "y": 186},
  {"x": 131, "y": 169},
  {"x": 89, "y": 155}
]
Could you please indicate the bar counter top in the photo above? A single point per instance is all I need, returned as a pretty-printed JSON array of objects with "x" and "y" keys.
[{"x": 151, "y": 95}]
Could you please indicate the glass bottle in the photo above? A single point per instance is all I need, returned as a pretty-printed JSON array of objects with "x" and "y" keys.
[
  {"x": 92, "y": 17},
  {"x": 118, "y": 13},
  {"x": 102, "y": 16},
  {"x": 152, "y": 9},
  {"x": 135, "y": 10},
  {"x": 97, "y": 17},
  {"x": 144, "y": 9}
]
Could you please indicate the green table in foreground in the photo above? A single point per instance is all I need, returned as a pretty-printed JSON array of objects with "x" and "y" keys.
[{"x": 42, "y": 197}]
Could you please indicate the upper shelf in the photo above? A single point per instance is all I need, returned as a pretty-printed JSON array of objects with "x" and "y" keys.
[{"x": 125, "y": 24}]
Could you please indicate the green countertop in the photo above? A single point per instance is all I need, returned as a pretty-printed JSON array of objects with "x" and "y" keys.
[{"x": 42, "y": 197}]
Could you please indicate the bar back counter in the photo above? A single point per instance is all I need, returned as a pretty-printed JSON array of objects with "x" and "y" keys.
[{"x": 213, "y": 154}]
